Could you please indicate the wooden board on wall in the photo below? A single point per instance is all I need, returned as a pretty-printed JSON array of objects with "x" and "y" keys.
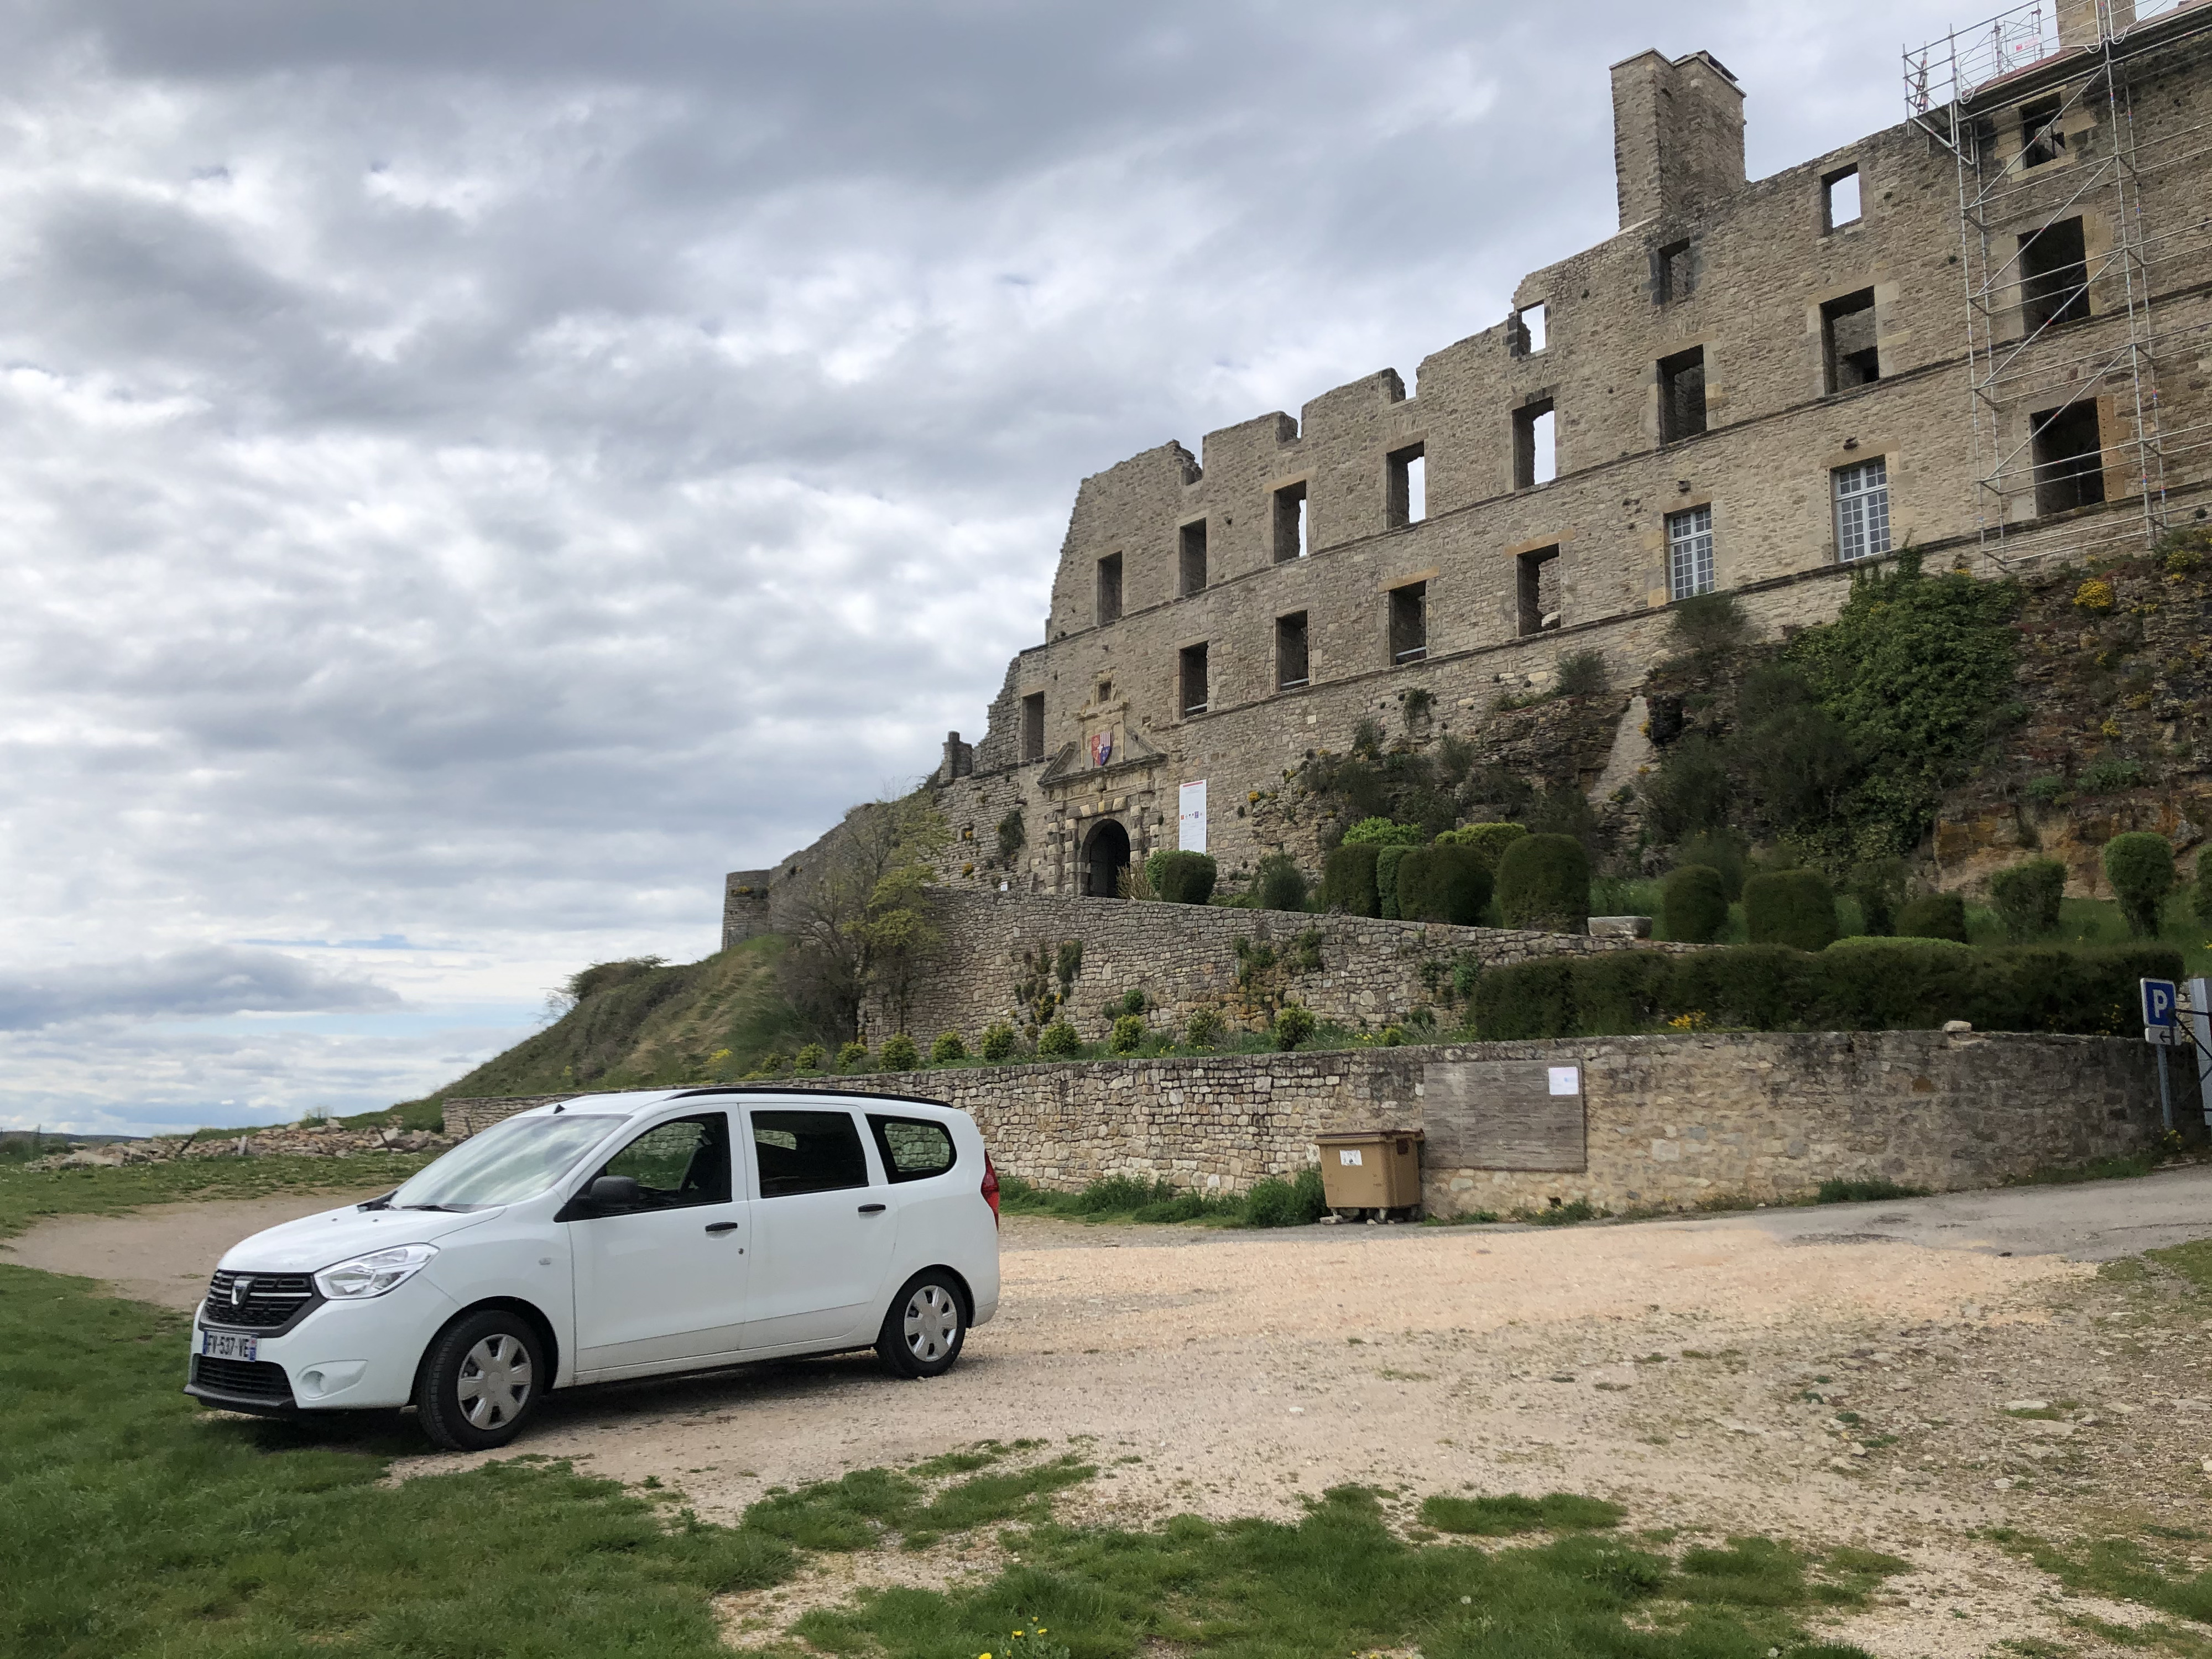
[{"x": 1503, "y": 1114}]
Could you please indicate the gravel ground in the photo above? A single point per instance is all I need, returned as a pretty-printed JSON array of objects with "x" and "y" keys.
[{"x": 1838, "y": 1376}]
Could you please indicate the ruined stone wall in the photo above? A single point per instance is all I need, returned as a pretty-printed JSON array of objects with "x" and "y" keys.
[
  {"x": 1184, "y": 958},
  {"x": 1665, "y": 1122}
]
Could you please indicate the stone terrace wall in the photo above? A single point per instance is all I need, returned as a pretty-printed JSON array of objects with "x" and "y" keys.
[
  {"x": 1668, "y": 1122},
  {"x": 1183, "y": 957}
]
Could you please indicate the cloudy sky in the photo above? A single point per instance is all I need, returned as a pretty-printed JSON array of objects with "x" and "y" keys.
[{"x": 473, "y": 472}]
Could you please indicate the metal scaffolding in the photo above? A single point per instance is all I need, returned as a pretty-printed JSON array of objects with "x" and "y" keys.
[{"x": 2051, "y": 323}]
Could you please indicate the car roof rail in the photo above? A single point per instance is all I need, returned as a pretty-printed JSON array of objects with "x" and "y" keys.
[{"x": 802, "y": 1089}]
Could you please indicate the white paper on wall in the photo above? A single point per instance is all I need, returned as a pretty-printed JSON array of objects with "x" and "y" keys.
[
  {"x": 1190, "y": 825},
  {"x": 1349, "y": 1155},
  {"x": 1566, "y": 1080}
]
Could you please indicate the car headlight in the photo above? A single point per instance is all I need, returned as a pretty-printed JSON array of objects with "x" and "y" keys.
[{"x": 374, "y": 1274}]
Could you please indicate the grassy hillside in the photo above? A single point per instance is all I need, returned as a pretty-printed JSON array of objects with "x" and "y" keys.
[{"x": 644, "y": 1024}]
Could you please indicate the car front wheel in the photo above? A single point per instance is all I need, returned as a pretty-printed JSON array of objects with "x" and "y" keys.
[
  {"x": 925, "y": 1328},
  {"x": 481, "y": 1380}
]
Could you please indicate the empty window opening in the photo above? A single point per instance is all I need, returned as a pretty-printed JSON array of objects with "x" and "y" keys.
[
  {"x": 2070, "y": 462},
  {"x": 2040, "y": 140},
  {"x": 1290, "y": 662},
  {"x": 1289, "y": 523},
  {"x": 1682, "y": 395},
  {"x": 1674, "y": 272},
  {"x": 2054, "y": 276},
  {"x": 1192, "y": 674},
  {"x": 1527, "y": 334},
  {"x": 1193, "y": 556},
  {"x": 1840, "y": 191},
  {"x": 1538, "y": 583},
  {"x": 1105, "y": 691},
  {"x": 1689, "y": 552},
  {"x": 1033, "y": 727},
  {"x": 1110, "y": 589},
  {"x": 1409, "y": 622},
  {"x": 1848, "y": 343},
  {"x": 1862, "y": 510},
  {"x": 1407, "y": 486},
  {"x": 1535, "y": 455}
]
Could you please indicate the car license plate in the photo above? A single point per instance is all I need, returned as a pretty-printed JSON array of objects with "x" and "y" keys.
[{"x": 229, "y": 1345}]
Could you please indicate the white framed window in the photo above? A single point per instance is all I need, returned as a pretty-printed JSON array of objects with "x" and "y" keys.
[
  {"x": 1862, "y": 510},
  {"x": 1689, "y": 552}
]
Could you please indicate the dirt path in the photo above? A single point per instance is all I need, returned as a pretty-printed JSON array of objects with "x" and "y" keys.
[{"x": 1838, "y": 1375}]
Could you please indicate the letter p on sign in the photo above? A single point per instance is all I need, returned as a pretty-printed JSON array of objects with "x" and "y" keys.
[{"x": 2158, "y": 1001}]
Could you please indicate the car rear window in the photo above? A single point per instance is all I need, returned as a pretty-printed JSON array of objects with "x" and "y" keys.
[
  {"x": 914, "y": 1148},
  {"x": 807, "y": 1152}
]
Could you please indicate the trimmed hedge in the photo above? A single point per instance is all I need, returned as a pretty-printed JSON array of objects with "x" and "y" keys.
[
  {"x": 1693, "y": 903},
  {"x": 1383, "y": 832},
  {"x": 1443, "y": 883},
  {"x": 1489, "y": 841},
  {"x": 1934, "y": 915},
  {"x": 2026, "y": 898},
  {"x": 1347, "y": 880},
  {"x": 1181, "y": 878},
  {"x": 1855, "y": 985},
  {"x": 1388, "y": 858},
  {"x": 2202, "y": 898},
  {"x": 2140, "y": 866},
  {"x": 1791, "y": 907},
  {"x": 1543, "y": 882}
]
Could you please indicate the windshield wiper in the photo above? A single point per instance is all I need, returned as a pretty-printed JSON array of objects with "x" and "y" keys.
[
  {"x": 381, "y": 1201},
  {"x": 455, "y": 1209}
]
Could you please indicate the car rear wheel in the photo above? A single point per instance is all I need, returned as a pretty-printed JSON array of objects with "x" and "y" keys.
[
  {"x": 481, "y": 1380},
  {"x": 927, "y": 1322}
]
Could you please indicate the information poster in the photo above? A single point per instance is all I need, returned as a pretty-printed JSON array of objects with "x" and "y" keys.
[{"x": 1190, "y": 830}]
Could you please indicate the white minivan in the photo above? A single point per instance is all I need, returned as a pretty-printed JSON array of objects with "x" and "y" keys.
[{"x": 612, "y": 1236}]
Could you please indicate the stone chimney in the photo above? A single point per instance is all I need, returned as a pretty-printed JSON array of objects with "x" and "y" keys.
[
  {"x": 2086, "y": 22},
  {"x": 1677, "y": 134}
]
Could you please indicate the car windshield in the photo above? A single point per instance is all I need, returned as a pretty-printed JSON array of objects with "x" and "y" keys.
[{"x": 505, "y": 1164}]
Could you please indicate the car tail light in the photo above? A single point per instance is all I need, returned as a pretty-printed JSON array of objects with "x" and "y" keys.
[{"x": 991, "y": 1188}]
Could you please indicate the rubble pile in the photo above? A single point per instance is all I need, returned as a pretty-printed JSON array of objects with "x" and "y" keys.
[{"x": 286, "y": 1140}]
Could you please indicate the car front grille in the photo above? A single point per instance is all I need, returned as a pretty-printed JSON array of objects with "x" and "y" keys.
[
  {"x": 270, "y": 1302},
  {"x": 245, "y": 1379}
]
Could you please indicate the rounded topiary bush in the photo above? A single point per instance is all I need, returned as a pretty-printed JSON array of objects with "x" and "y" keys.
[
  {"x": 2026, "y": 897},
  {"x": 1487, "y": 841},
  {"x": 808, "y": 1059},
  {"x": 2140, "y": 866},
  {"x": 1791, "y": 907},
  {"x": 1293, "y": 1026},
  {"x": 1058, "y": 1040},
  {"x": 1181, "y": 878},
  {"x": 1128, "y": 1034},
  {"x": 1543, "y": 884},
  {"x": 852, "y": 1056},
  {"x": 1279, "y": 883},
  {"x": 1694, "y": 904},
  {"x": 1443, "y": 883},
  {"x": 998, "y": 1042},
  {"x": 898, "y": 1054},
  {"x": 1934, "y": 915},
  {"x": 948, "y": 1050},
  {"x": 1347, "y": 880}
]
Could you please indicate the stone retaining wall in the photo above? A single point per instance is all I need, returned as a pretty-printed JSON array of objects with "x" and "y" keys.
[{"x": 1662, "y": 1121}]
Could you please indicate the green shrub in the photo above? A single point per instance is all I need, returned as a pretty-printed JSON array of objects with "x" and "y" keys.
[
  {"x": 852, "y": 1056},
  {"x": 2112, "y": 773},
  {"x": 1694, "y": 904},
  {"x": 1934, "y": 915},
  {"x": 1386, "y": 860},
  {"x": 948, "y": 1050},
  {"x": 898, "y": 1054},
  {"x": 1582, "y": 674},
  {"x": 1762, "y": 987},
  {"x": 1381, "y": 832},
  {"x": 1181, "y": 878},
  {"x": 1708, "y": 625},
  {"x": 1443, "y": 883},
  {"x": 1279, "y": 883},
  {"x": 1293, "y": 1026},
  {"x": 808, "y": 1059},
  {"x": 2026, "y": 898},
  {"x": 1202, "y": 1029},
  {"x": 1058, "y": 1040},
  {"x": 1791, "y": 907},
  {"x": 1836, "y": 1190},
  {"x": 2140, "y": 866},
  {"x": 2201, "y": 900},
  {"x": 1885, "y": 984},
  {"x": 1129, "y": 1034},
  {"x": 998, "y": 1042},
  {"x": 1487, "y": 841},
  {"x": 1543, "y": 883},
  {"x": 1013, "y": 834},
  {"x": 1347, "y": 880},
  {"x": 1294, "y": 1203},
  {"x": 1717, "y": 849},
  {"x": 1879, "y": 886}
]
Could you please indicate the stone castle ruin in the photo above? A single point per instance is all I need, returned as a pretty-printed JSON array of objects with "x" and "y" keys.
[{"x": 1983, "y": 333}]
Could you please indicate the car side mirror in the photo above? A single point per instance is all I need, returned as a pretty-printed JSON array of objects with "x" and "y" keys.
[{"x": 614, "y": 1192}]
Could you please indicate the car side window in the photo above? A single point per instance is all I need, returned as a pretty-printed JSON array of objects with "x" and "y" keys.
[
  {"x": 914, "y": 1148},
  {"x": 807, "y": 1152},
  {"x": 681, "y": 1162}
]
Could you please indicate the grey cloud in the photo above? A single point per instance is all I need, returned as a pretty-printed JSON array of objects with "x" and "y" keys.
[{"x": 211, "y": 981}]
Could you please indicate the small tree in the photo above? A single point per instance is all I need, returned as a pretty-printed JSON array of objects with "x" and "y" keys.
[
  {"x": 998, "y": 1042},
  {"x": 1181, "y": 878},
  {"x": 2140, "y": 866},
  {"x": 1879, "y": 886},
  {"x": 1543, "y": 883},
  {"x": 899, "y": 1054},
  {"x": 1129, "y": 1034},
  {"x": 1202, "y": 1031},
  {"x": 1694, "y": 904},
  {"x": 1707, "y": 627},
  {"x": 949, "y": 1049},
  {"x": 1058, "y": 1039},
  {"x": 1934, "y": 915},
  {"x": 1279, "y": 884},
  {"x": 1791, "y": 907},
  {"x": 1582, "y": 674},
  {"x": 2026, "y": 898},
  {"x": 1293, "y": 1026}
]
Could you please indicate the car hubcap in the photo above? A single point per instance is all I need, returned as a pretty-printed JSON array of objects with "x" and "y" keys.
[
  {"x": 494, "y": 1381},
  {"x": 933, "y": 1319}
]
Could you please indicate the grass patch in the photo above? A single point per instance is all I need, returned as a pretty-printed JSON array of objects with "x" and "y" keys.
[
  {"x": 1504, "y": 1516},
  {"x": 2192, "y": 1262},
  {"x": 32, "y": 1195},
  {"x": 1560, "y": 1215},
  {"x": 1268, "y": 1203},
  {"x": 1840, "y": 1191},
  {"x": 2121, "y": 1568},
  {"x": 2130, "y": 1168}
]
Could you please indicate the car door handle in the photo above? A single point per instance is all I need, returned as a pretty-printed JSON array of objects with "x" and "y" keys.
[
  {"x": 721, "y": 1226},
  {"x": 872, "y": 1209}
]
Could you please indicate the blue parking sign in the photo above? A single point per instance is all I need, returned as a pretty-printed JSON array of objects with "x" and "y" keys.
[{"x": 2158, "y": 1002}]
